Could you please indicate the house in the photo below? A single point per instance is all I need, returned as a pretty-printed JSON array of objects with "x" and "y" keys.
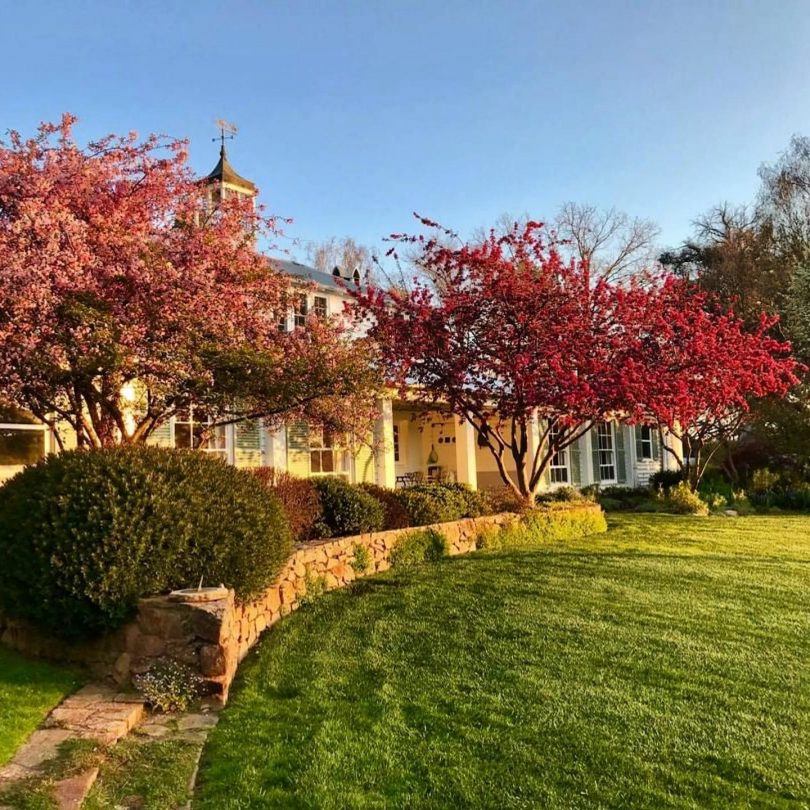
[{"x": 409, "y": 443}]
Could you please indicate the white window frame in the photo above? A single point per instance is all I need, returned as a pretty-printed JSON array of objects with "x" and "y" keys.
[
  {"x": 341, "y": 460},
  {"x": 605, "y": 430},
  {"x": 559, "y": 474},
  {"x": 320, "y": 311},
  {"x": 224, "y": 433},
  {"x": 646, "y": 444},
  {"x": 300, "y": 311}
]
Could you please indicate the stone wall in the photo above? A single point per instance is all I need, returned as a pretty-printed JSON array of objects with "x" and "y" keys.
[{"x": 213, "y": 637}]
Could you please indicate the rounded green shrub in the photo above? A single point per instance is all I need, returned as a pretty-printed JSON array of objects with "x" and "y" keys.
[
  {"x": 347, "y": 509},
  {"x": 85, "y": 534},
  {"x": 434, "y": 503}
]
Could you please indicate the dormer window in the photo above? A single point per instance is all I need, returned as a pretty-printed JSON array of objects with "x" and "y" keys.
[
  {"x": 336, "y": 272},
  {"x": 356, "y": 276}
]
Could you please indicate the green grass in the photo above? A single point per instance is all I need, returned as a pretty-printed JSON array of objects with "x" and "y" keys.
[
  {"x": 143, "y": 773},
  {"x": 665, "y": 664},
  {"x": 29, "y": 689}
]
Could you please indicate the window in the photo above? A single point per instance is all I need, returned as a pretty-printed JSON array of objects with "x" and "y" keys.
[
  {"x": 396, "y": 443},
  {"x": 22, "y": 438},
  {"x": 300, "y": 311},
  {"x": 605, "y": 452},
  {"x": 325, "y": 455},
  {"x": 646, "y": 441},
  {"x": 319, "y": 306},
  {"x": 193, "y": 431},
  {"x": 559, "y": 461}
]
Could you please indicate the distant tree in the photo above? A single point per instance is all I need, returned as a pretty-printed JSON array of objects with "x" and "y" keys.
[
  {"x": 122, "y": 304},
  {"x": 613, "y": 244},
  {"x": 346, "y": 254},
  {"x": 734, "y": 256}
]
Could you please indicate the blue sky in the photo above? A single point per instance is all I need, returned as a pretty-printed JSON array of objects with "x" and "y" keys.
[{"x": 354, "y": 114}]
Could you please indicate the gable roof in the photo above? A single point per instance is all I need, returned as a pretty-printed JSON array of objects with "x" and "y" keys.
[{"x": 310, "y": 275}]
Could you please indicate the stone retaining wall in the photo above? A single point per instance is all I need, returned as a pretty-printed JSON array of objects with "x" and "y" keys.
[{"x": 213, "y": 637}]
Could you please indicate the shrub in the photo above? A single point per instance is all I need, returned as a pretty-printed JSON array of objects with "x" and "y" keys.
[
  {"x": 543, "y": 524},
  {"x": 169, "y": 685},
  {"x": 361, "y": 561},
  {"x": 396, "y": 516},
  {"x": 84, "y": 534},
  {"x": 433, "y": 503},
  {"x": 314, "y": 588},
  {"x": 300, "y": 500},
  {"x": 347, "y": 509},
  {"x": 475, "y": 502},
  {"x": 682, "y": 501},
  {"x": 666, "y": 479},
  {"x": 764, "y": 480},
  {"x": 506, "y": 500},
  {"x": 423, "y": 546}
]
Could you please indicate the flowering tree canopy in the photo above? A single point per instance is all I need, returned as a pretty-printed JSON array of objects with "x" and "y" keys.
[
  {"x": 125, "y": 299},
  {"x": 532, "y": 351},
  {"x": 709, "y": 368}
]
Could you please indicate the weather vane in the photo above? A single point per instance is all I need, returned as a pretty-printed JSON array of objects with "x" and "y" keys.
[{"x": 226, "y": 131}]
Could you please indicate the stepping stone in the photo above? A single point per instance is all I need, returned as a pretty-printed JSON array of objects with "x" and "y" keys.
[{"x": 197, "y": 721}]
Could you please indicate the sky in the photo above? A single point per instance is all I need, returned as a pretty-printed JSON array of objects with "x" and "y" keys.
[{"x": 352, "y": 115}]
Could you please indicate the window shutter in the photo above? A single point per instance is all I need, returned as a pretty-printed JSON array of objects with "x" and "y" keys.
[
  {"x": 621, "y": 466},
  {"x": 595, "y": 451},
  {"x": 639, "y": 444},
  {"x": 576, "y": 463},
  {"x": 248, "y": 443},
  {"x": 656, "y": 444},
  {"x": 161, "y": 435},
  {"x": 298, "y": 449}
]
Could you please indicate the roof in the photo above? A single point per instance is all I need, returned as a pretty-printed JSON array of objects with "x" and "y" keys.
[
  {"x": 311, "y": 275},
  {"x": 225, "y": 173}
]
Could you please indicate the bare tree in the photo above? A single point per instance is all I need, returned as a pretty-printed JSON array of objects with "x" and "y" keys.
[
  {"x": 346, "y": 254},
  {"x": 615, "y": 244}
]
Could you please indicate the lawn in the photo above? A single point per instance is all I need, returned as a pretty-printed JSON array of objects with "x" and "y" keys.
[
  {"x": 28, "y": 691},
  {"x": 665, "y": 664}
]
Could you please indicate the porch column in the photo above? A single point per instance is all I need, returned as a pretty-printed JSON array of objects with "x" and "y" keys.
[
  {"x": 533, "y": 426},
  {"x": 275, "y": 448},
  {"x": 384, "y": 471},
  {"x": 466, "y": 442}
]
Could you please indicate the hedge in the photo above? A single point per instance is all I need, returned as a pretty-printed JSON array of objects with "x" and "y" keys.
[
  {"x": 300, "y": 499},
  {"x": 546, "y": 523},
  {"x": 347, "y": 509},
  {"x": 441, "y": 503},
  {"x": 85, "y": 534}
]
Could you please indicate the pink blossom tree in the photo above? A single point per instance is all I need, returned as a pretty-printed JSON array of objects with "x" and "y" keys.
[{"x": 124, "y": 302}]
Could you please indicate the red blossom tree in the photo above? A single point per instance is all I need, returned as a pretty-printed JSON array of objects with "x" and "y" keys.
[
  {"x": 532, "y": 351},
  {"x": 123, "y": 303},
  {"x": 709, "y": 369}
]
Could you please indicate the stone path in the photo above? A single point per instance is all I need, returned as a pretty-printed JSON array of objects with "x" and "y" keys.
[{"x": 96, "y": 712}]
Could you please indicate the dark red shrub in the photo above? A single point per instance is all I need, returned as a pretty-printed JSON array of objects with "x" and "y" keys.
[
  {"x": 300, "y": 500},
  {"x": 396, "y": 515}
]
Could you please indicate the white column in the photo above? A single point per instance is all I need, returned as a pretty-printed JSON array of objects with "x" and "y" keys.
[
  {"x": 586, "y": 471},
  {"x": 533, "y": 430},
  {"x": 466, "y": 467},
  {"x": 384, "y": 470},
  {"x": 275, "y": 449}
]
